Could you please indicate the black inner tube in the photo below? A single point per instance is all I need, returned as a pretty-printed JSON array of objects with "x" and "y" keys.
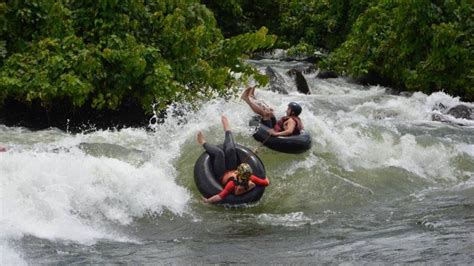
[
  {"x": 289, "y": 144},
  {"x": 209, "y": 184}
]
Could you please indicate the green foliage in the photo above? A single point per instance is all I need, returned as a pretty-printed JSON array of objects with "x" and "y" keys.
[
  {"x": 230, "y": 16},
  {"x": 101, "y": 53},
  {"x": 317, "y": 23},
  {"x": 301, "y": 48},
  {"x": 419, "y": 45},
  {"x": 51, "y": 69}
]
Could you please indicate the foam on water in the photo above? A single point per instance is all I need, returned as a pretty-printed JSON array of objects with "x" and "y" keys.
[
  {"x": 294, "y": 219},
  {"x": 364, "y": 134},
  {"x": 367, "y": 136},
  {"x": 9, "y": 256},
  {"x": 77, "y": 197},
  {"x": 51, "y": 189}
]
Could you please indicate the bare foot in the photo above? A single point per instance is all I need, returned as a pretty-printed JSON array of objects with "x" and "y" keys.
[
  {"x": 225, "y": 123},
  {"x": 252, "y": 92},
  {"x": 246, "y": 94},
  {"x": 200, "y": 138}
]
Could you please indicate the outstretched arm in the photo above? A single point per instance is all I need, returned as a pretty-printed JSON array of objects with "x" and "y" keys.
[
  {"x": 258, "y": 181},
  {"x": 218, "y": 197},
  {"x": 213, "y": 199}
]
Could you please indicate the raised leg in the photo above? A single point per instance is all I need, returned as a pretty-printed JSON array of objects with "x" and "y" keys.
[
  {"x": 217, "y": 155},
  {"x": 231, "y": 160},
  {"x": 257, "y": 106}
]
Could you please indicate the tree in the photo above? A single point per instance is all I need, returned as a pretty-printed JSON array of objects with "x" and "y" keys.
[
  {"x": 418, "y": 45},
  {"x": 98, "y": 54}
]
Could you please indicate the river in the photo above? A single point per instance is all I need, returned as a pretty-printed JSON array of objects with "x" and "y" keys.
[{"x": 382, "y": 183}]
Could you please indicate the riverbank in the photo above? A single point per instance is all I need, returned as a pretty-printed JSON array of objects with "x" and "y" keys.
[{"x": 63, "y": 116}]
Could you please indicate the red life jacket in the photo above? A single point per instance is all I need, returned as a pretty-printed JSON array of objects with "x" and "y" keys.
[{"x": 280, "y": 125}]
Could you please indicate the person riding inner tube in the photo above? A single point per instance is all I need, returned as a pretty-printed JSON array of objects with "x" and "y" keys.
[
  {"x": 235, "y": 185},
  {"x": 289, "y": 144},
  {"x": 237, "y": 182},
  {"x": 288, "y": 125},
  {"x": 285, "y": 135}
]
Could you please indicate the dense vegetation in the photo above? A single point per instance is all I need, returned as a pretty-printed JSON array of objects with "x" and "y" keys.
[
  {"x": 416, "y": 45},
  {"x": 312, "y": 23},
  {"x": 101, "y": 54}
]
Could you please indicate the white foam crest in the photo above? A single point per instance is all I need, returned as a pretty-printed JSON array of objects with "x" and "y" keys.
[
  {"x": 394, "y": 107},
  {"x": 309, "y": 162},
  {"x": 466, "y": 185},
  {"x": 362, "y": 145},
  {"x": 77, "y": 197},
  {"x": 133, "y": 138},
  {"x": 169, "y": 136},
  {"x": 412, "y": 109},
  {"x": 294, "y": 219},
  {"x": 20, "y": 139},
  {"x": 415, "y": 109},
  {"x": 9, "y": 256},
  {"x": 447, "y": 100},
  {"x": 329, "y": 88},
  {"x": 466, "y": 148},
  {"x": 366, "y": 135},
  {"x": 432, "y": 161}
]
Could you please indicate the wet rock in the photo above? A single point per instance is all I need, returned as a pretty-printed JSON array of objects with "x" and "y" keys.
[
  {"x": 276, "y": 81},
  {"x": 309, "y": 59},
  {"x": 326, "y": 74},
  {"x": 406, "y": 94},
  {"x": 258, "y": 57},
  {"x": 440, "y": 107},
  {"x": 312, "y": 59},
  {"x": 301, "y": 84},
  {"x": 373, "y": 78},
  {"x": 289, "y": 59},
  {"x": 437, "y": 117},
  {"x": 461, "y": 111},
  {"x": 303, "y": 57},
  {"x": 310, "y": 69}
]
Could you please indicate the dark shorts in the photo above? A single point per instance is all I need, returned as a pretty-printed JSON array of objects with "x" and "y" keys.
[{"x": 269, "y": 123}]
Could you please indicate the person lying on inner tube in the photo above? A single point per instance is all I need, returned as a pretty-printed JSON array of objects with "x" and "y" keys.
[
  {"x": 287, "y": 126},
  {"x": 224, "y": 163},
  {"x": 238, "y": 182}
]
